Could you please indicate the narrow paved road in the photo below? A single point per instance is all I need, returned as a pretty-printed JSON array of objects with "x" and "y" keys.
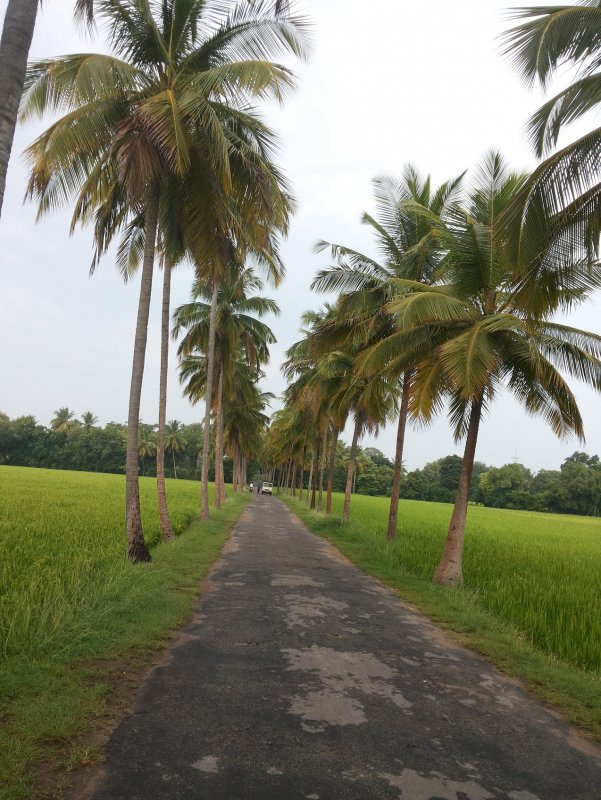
[{"x": 300, "y": 677}]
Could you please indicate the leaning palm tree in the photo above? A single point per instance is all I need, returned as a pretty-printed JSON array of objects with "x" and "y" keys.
[
  {"x": 165, "y": 117},
  {"x": 64, "y": 420},
  {"x": 17, "y": 33},
  {"x": 565, "y": 189},
  {"x": 407, "y": 249},
  {"x": 488, "y": 325}
]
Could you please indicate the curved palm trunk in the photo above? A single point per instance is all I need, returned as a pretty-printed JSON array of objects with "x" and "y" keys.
[
  {"x": 167, "y": 534},
  {"x": 398, "y": 459},
  {"x": 219, "y": 485},
  {"x": 136, "y": 546},
  {"x": 331, "y": 470},
  {"x": 351, "y": 470},
  {"x": 204, "y": 478},
  {"x": 17, "y": 33},
  {"x": 322, "y": 467},
  {"x": 450, "y": 569}
]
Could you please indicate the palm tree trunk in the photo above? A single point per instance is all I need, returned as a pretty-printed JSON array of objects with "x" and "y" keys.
[
  {"x": 174, "y": 467},
  {"x": 450, "y": 569},
  {"x": 398, "y": 459},
  {"x": 310, "y": 481},
  {"x": 137, "y": 550},
  {"x": 322, "y": 466},
  {"x": 314, "y": 483},
  {"x": 235, "y": 471},
  {"x": 204, "y": 479},
  {"x": 219, "y": 487},
  {"x": 351, "y": 470},
  {"x": 17, "y": 33},
  {"x": 302, "y": 475},
  {"x": 294, "y": 479},
  {"x": 167, "y": 534},
  {"x": 331, "y": 471}
]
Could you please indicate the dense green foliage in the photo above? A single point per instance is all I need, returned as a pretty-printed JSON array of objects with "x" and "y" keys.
[
  {"x": 26, "y": 443},
  {"x": 71, "y": 605},
  {"x": 573, "y": 489}
]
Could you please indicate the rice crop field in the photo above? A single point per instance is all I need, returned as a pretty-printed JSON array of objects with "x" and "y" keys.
[
  {"x": 540, "y": 573},
  {"x": 75, "y": 613},
  {"x": 62, "y": 544}
]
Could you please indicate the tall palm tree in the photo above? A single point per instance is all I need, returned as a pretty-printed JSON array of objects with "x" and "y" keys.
[
  {"x": 64, "y": 420},
  {"x": 88, "y": 420},
  {"x": 488, "y": 325},
  {"x": 565, "y": 189},
  {"x": 17, "y": 33},
  {"x": 165, "y": 117},
  {"x": 230, "y": 323},
  {"x": 244, "y": 418},
  {"x": 147, "y": 446},
  {"x": 174, "y": 440},
  {"x": 407, "y": 250}
]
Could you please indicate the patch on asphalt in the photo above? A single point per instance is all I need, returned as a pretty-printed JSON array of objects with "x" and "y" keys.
[
  {"x": 294, "y": 581},
  {"x": 207, "y": 764},
  {"x": 340, "y": 674},
  {"x": 414, "y": 786},
  {"x": 302, "y": 610}
]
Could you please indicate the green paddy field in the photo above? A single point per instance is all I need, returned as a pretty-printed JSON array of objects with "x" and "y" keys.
[
  {"x": 76, "y": 618},
  {"x": 532, "y": 595}
]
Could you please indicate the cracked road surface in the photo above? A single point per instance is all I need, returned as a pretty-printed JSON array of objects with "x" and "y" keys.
[{"x": 300, "y": 677}]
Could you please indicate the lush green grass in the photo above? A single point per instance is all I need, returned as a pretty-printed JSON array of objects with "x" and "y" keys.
[
  {"x": 532, "y": 593},
  {"x": 72, "y": 606}
]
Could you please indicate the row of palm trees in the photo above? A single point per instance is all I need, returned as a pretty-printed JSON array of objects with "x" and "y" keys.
[
  {"x": 463, "y": 298},
  {"x": 159, "y": 146}
]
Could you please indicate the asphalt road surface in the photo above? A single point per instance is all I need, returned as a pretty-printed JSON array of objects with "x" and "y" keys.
[{"x": 300, "y": 677}]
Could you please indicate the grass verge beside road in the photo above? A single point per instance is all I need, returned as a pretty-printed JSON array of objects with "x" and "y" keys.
[
  {"x": 77, "y": 620},
  {"x": 532, "y": 589}
]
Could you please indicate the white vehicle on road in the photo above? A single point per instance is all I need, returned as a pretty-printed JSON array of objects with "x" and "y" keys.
[{"x": 266, "y": 487}]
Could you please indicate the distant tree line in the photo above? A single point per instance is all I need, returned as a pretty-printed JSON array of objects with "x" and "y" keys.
[
  {"x": 70, "y": 444},
  {"x": 82, "y": 445},
  {"x": 575, "y": 488}
]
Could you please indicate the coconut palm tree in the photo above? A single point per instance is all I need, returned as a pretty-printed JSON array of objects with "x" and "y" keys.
[
  {"x": 147, "y": 446},
  {"x": 17, "y": 33},
  {"x": 229, "y": 322},
  {"x": 166, "y": 117},
  {"x": 244, "y": 418},
  {"x": 565, "y": 189},
  {"x": 88, "y": 420},
  {"x": 64, "y": 420},
  {"x": 174, "y": 440},
  {"x": 489, "y": 326},
  {"x": 407, "y": 249}
]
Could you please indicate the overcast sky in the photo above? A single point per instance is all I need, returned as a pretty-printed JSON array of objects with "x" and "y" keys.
[{"x": 387, "y": 83}]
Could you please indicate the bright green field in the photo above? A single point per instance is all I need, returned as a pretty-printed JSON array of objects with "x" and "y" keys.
[
  {"x": 533, "y": 579},
  {"x": 69, "y": 599}
]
